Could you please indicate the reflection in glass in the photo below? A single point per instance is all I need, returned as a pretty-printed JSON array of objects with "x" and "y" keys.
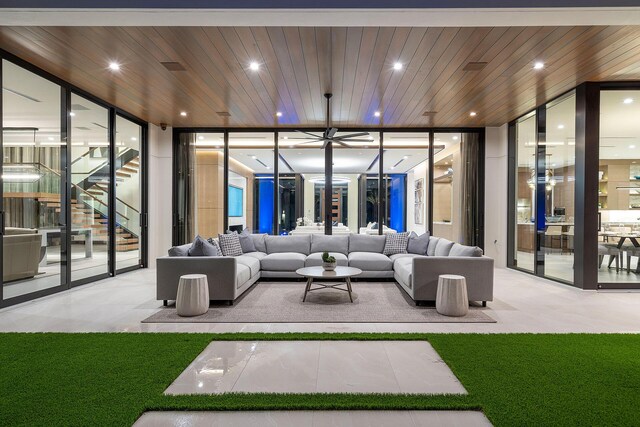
[
  {"x": 33, "y": 152},
  {"x": 619, "y": 187},
  {"x": 128, "y": 194}
]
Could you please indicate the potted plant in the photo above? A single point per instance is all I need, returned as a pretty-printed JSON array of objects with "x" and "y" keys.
[{"x": 328, "y": 262}]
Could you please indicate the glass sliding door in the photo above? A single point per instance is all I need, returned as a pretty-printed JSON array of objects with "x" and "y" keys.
[
  {"x": 559, "y": 184},
  {"x": 90, "y": 188},
  {"x": 524, "y": 234},
  {"x": 406, "y": 182},
  {"x": 619, "y": 188},
  {"x": 128, "y": 235},
  {"x": 250, "y": 192},
  {"x": 301, "y": 170},
  {"x": 33, "y": 155}
]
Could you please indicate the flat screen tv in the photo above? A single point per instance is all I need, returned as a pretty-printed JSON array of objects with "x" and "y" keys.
[{"x": 236, "y": 197}]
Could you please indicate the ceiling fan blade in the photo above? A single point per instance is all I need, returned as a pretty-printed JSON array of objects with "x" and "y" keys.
[
  {"x": 305, "y": 139},
  {"x": 355, "y": 140},
  {"x": 308, "y": 142},
  {"x": 353, "y": 135},
  {"x": 326, "y": 142},
  {"x": 342, "y": 143},
  {"x": 309, "y": 133},
  {"x": 331, "y": 132}
]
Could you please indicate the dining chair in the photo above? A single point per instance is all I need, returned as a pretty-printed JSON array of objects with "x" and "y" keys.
[{"x": 611, "y": 251}]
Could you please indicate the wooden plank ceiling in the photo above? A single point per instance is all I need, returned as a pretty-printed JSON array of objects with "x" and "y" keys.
[{"x": 299, "y": 64}]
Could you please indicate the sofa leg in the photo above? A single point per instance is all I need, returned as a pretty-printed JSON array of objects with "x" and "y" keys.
[
  {"x": 165, "y": 302},
  {"x": 230, "y": 302},
  {"x": 484, "y": 303}
]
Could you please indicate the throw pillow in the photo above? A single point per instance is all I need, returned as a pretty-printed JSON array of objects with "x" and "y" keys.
[
  {"x": 246, "y": 242},
  {"x": 396, "y": 243},
  {"x": 443, "y": 247},
  {"x": 418, "y": 244},
  {"x": 200, "y": 247},
  {"x": 215, "y": 243},
  {"x": 182, "y": 250},
  {"x": 230, "y": 244},
  {"x": 463, "y": 250},
  {"x": 433, "y": 242}
]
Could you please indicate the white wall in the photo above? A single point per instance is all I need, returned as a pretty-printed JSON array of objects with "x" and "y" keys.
[
  {"x": 413, "y": 175},
  {"x": 495, "y": 198},
  {"x": 160, "y": 185}
]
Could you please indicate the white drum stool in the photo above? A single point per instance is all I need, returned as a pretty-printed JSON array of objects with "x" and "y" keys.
[
  {"x": 193, "y": 295},
  {"x": 452, "y": 298}
]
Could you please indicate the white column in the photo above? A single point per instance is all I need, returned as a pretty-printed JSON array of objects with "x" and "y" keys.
[
  {"x": 160, "y": 189},
  {"x": 495, "y": 199}
]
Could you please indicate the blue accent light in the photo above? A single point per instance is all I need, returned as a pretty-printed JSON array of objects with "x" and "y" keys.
[
  {"x": 397, "y": 202},
  {"x": 265, "y": 206}
]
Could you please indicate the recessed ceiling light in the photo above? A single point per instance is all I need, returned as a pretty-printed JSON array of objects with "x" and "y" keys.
[
  {"x": 114, "y": 66},
  {"x": 50, "y": 138},
  {"x": 254, "y": 157},
  {"x": 370, "y": 138},
  {"x": 628, "y": 101},
  {"x": 377, "y": 114},
  {"x": 560, "y": 126},
  {"x": 201, "y": 137},
  {"x": 286, "y": 137},
  {"x": 268, "y": 167},
  {"x": 72, "y": 114},
  {"x": 553, "y": 165},
  {"x": 538, "y": 65},
  {"x": 405, "y": 157},
  {"x": 392, "y": 167},
  {"x": 279, "y": 114},
  {"x": 473, "y": 114},
  {"x": 133, "y": 138},
  {"x": 183, "y": 113},
  {"x": 455, "y": 137},
  {"x": 397, "y": 66},
  {"x": 632, "y": 146},
  {"x": 254, "y": 66}
]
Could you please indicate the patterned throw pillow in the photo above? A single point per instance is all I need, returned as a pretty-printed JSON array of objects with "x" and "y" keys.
[
  {"x": 396, "y": 243},
  {"x": 230, "y": 244},
  {"x": 215, "y": 243}
]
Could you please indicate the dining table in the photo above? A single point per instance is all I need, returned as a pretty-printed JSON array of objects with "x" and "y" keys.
[{"x": 622, "y": 237}]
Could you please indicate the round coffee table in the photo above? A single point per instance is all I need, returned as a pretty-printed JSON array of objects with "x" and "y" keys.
[{"x": 318, "y": 273}]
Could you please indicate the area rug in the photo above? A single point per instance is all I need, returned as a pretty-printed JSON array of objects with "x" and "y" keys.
[{"x": 277, "y": 302}]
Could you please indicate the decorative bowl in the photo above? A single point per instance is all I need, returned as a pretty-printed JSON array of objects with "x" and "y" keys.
[{"x": 329, "y": 266}]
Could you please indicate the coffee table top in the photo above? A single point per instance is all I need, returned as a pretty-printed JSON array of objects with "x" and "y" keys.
[{"x": 319, "y": 272}]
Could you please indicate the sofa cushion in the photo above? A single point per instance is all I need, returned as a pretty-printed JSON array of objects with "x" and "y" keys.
[
  {"x": 462, "y": 250},
  {"x": 246, "y": 242},
  {"x": 366, "y": 243},
  {"x": 322, "y": 243},
  {"x": 230, "y": 244},
  {"x": 243, "y": 274},
  {"x": 433, "y": 242},
  {"x": 259, "y": 242},
  {"x": 282, "y": 244},
  {"x": 182, "y": 250},
  {"x": 251, "y": 262},
  {"x": 315, "y": 259},
  {"x": 403, "y": 268},
  {"x": 443, "y": 247},
  {"x": 418, "y": 244},
  {"x": 256, "y": 255},
  {"x": 201, "y": 247},
  {"x": 401, "y": 258},
  {"x": 396, "y": 243},
  {"x": 370, "y": 261},
  {"x": 283, "y": 261}
]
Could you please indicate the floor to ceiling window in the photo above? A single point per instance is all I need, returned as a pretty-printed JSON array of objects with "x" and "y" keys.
[
  {"x": 301, "y": 202},
  {"x": 90, "y": 188},
  {"x": 619, "y": 187},
  {"x": 33, "y": 157},
  {"x": 406, "y": 181},
  {"x": 128, "y": 232},
  {"x": 57, "y": 189}
]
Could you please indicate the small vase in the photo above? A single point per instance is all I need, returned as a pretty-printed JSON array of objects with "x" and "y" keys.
[{"x": 329, "y": 266}]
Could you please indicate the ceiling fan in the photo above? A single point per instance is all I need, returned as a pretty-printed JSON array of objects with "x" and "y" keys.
[{"x": 329, "y": 135}]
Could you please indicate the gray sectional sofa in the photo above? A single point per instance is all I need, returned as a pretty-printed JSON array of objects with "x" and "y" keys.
[{"x": 280, "y": 257}]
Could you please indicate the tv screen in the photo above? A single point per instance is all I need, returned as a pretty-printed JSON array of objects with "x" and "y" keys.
[{"x": 236, "y": 197}]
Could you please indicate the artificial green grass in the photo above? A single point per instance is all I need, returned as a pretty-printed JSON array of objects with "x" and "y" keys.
[{"x": 516, "y": 379}]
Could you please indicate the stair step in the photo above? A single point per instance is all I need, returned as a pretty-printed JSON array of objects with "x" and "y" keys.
[
  {"x": 125, "y": 248},
  {"x": 123, "y": 175},
  {"x": 129, "y": 169}
]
